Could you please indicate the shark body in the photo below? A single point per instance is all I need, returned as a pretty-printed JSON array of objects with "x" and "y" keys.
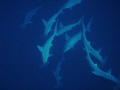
[
  {"x": 71, "y": 3},
  {"x": 96, "y": 70},
  {"x": 56, "y": 73},
  {"x": 99, "y": 72},
  {"x": 28, "y": 18},
  {"x": 48, "y": 24},
  {"x": 72, "y": 41},
  {"x": 93, "y": 52},
  {"x": 46, "y": 48},
  {"x": 64, "y": 29}
]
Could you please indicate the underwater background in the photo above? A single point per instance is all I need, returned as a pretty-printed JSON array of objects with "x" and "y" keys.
[{"x": 20, "y": 58}]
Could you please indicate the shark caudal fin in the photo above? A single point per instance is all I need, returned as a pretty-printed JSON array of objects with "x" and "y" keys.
[
  {"x": 58, "y": 85},
  {"x": 117, "y": 87},
  {"x": 22, "y": 26},
  {"x": 80, "y": 21},
  {"x": 44, "y": 64}
]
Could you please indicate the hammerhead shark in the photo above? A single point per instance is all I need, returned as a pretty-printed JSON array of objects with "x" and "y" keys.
[{"x": 46, "y": 48}]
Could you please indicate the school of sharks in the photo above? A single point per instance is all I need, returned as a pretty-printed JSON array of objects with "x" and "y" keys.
[{"x": 70, "y": 43}]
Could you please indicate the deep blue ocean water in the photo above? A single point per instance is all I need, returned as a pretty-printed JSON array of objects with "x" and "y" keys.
[{"x": 20, "y": 58}]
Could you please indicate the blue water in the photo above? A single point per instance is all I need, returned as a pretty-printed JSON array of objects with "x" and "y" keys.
[{"x": 20, "y": 58}]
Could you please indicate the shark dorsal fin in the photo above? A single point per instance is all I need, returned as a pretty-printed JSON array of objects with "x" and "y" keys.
[
  {"x": 67, "y": 37},
  {"x": 109, "y": 71},
  {"x": 95, "y": 64},
  {"x": 45, "y": 22},
  {"x": 88, "y": 25},
  {"x": 40, "y": 48},
  {"x": 61, "y": 25},
  {"x": 50, "y": 55},
  {"x": 99, "y": 50},
  {"x": 60, "y": 77}
]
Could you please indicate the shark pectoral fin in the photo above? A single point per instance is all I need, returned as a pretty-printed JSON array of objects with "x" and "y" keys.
[
  {"x": 95, "y": 64},
  {"x": 67, "y": 37},
  {"x": 109, "y": 71},
  {"x": 61, "y": 25},
  {"x": 60, "y": 77},
  {"x": 58, "y": 85},
  {"x": 45, "y": 22},
  {"x": 40, "y": 48},
  {"x": 51, "y": 55},
  {"x": 94, "y": 72},
  {"x": 99, "y": 50},
  {"x": 84, "y": 49}
]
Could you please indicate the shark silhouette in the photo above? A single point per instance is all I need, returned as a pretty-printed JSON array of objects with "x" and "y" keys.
[
  {"x": 71, "y": 3},
  {"x": 72, "y": 41},
  {"x": 28, "y": 18},
  {"x": 48, "y": 24},
  {"x": 93, "y": 52},
  {"x": 46, "y": 48}
]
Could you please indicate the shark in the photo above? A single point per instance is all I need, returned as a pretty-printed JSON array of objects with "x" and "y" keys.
[
  {"x": 46, "y": 48},
  {"x": 71, "y": 3},
  {"x": 56, "y": 73},
  {"x": 28, "y": 18},
  {"x": 72, "y": 41},
  {"x": 97, "y": 71},
  {"x": 64, "y": 29},
  {"x": 95, "y": 53},
  {"x": 48, "y": 24}
]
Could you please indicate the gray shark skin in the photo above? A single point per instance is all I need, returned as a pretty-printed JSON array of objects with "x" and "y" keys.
[
  {"x": 97, "y": 71},
  {"x": 72, "y": 41},
  {"x": 56, "y": 73},
  {"x": 93, "y": 52},
  {"x": 64, "y": 29},
  {"x": 48, "y": 24},
  {"x": 71, "y": 3},
  {"x": 46, "y": 48},
  {"x": 28, "y": 18}
]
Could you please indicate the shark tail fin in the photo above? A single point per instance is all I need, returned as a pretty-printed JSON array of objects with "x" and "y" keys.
[
  {"x": 22, "y": 26},
  {"x": 80, "y": 21},
  {"x": 58, "y": 85},
  {"x": 44, "y": 65},
  {"x": 117, "y": 87}
]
